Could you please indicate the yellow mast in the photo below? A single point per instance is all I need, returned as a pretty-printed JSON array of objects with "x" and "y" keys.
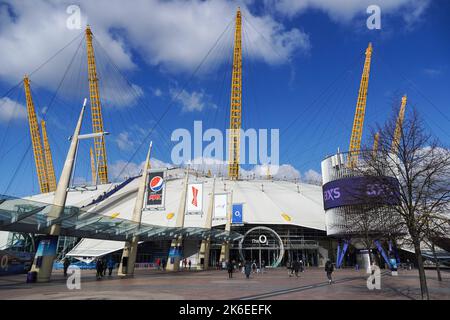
[
  {"x": 358, "y": 123},
  {"x": 48, "y": 159},
  {"x": 96, "y": 111},
  {"x": 36, "y": 139},
  {"x": 398, "y": 127},
  {"x": 376, "y": 141},
  {"x": 93, "y": 169},
  {"x": 236, "y": 102}
]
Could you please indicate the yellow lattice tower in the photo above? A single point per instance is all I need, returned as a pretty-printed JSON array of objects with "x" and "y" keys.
[
  {"x": 268, "y": 175},
  {"x": 398, "y": 126},
  {"x": 51, "y": 178},
  {"x": 36, "y": 139},
  {"x": 358, "y": 123},
  {"x": 93, "y": 169},
  {"x": 96, "y": 111},
  {"x": 376, "y": 142},
  {"x": 236, "y": 102}
]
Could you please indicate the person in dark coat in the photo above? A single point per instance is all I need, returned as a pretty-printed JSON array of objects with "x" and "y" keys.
[
  {"x": 99, "y": 268},
  {"x": 248, "y": 269},
  {"x": 105, "y": 266},
  {"x": 66, "y": 266},
  {"x": 110, "y": 266},
  {"x": 296, "y": 267},
  {"x": 289, "y": 267},
  {"x": 329, "y": 268},
  {"x": 230, "y": 268}
]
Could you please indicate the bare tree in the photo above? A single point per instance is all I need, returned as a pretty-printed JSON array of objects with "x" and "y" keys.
[
  {"x": 422, "y": 167},
  {"x": 372, "y": 220}
]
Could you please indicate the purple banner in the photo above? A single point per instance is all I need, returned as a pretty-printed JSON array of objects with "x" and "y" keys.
[{"x": 359, "y": 191}]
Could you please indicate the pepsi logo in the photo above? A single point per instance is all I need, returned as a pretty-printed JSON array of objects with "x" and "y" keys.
[{"x": 156, "y": 184}]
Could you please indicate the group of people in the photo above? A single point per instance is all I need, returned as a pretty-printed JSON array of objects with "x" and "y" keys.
[
  {"x": 187, "y": 263},
  {"x": 294, "y": 267},
  {"x": 248, "y": 267},
  {"x": 161, "y": 264},
  {"x": 102, "y": 266}
]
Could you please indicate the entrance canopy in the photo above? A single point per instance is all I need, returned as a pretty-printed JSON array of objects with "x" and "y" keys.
[{"x": 21, "y": 215}]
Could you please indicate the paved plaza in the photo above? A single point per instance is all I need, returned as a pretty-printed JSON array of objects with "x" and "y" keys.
[{"x": 206, "y": 285}]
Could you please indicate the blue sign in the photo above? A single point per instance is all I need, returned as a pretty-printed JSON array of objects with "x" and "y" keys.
[
  {"x": 361, "y": 190},
  {"x": 237, "y": 214},
  {"x": 47, "y": 246},
  {"x": 175, "y": 252}
]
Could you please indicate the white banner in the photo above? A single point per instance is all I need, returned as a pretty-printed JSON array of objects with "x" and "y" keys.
[
  {"x": 195, "y": 198},
  {"x": 220, "y": 206}
]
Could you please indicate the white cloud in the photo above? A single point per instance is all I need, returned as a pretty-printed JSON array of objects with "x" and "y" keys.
[
  {"x": 283, "y": 172},
  {"x": 344, "y": 11},
  {"x": 433, "y": 72},
  {"x": 191, "y": 101},
  {"x": 312, "y": 177},
  {"x": 35, "y": 31},
  {"x": 157, "y": 92},
  {"x": 120, "y": 96},
  {"x": 124, "y": 142},
  {"x": 10, "y": 109},
  {"x": 174, "y": 35},
  {"x": 220, "y": 168},
  {"x": 121, "y": 169}
]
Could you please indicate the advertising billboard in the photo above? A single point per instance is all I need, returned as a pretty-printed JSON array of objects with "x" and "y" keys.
[
  {"x": 237, "y": 217},
  {"x": 360, "y": 190},
  {"x": 195, "y": 198},
  {"x": 47, "y": 246},
  {"x": 155, "y": 193},
  {"x": 220, "y": 206}
]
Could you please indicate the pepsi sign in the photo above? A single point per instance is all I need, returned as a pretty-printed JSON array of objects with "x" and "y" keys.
[
  {"x": 156, "y": 183},
  {"x": 155, "y": 189}
]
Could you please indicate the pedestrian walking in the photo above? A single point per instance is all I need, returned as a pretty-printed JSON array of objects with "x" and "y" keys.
[
  {"x": 247, "y": 269},
  {"x": 230, "y": 268},
  {"x": 254, "y": 266},
  {"x": 110, "y": 266},
  {"x": 296, "y": 267},
  {"x": 329, "y": 268},
  {"x": 302, "y": 266},
  {"x": 99, "y": 268},
  {"x": 289, "y": 267},
  {"x": 66, "y": 265},
  {"x": 190, "y": 264},
  {"x": 105, "y": 267}
]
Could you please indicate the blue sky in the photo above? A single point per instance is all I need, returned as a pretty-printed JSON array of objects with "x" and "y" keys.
[{"x": 302, "y": 67}]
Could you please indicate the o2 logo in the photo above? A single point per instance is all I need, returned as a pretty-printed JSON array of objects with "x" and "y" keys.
[
  {"x": 332, "y": 194},
  {"x": 262, "y": 240}
]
